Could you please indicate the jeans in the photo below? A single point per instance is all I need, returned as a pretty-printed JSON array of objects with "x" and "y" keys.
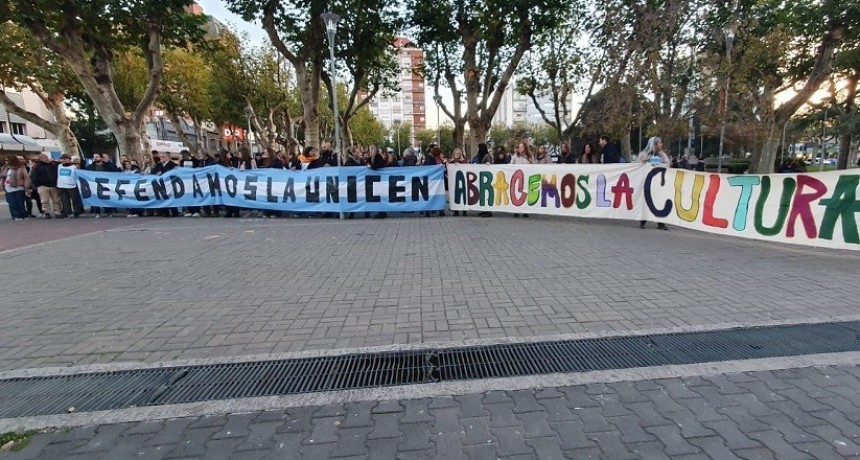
[
  {"x": 28, "y": 202},
  {"x": 16, "y": 204},
  {"x": 71, "y": 201}
]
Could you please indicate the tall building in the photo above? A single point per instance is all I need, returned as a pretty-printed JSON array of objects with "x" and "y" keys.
[
  {"x": 516, "y": 108},
  {"x": 407, "y": 105},
  {"x": 513, "y": 108}
]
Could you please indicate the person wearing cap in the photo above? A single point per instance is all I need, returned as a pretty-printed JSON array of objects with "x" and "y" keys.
[{"x": 70, "y": 197}]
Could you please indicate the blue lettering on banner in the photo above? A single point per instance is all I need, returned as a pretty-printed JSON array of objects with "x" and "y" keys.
[{"x": 318, "y": 190}]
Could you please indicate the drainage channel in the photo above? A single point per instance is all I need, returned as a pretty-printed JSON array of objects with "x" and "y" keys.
[{"x": 33, "y": 396}]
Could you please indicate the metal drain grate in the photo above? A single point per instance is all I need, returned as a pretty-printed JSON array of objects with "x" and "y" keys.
[{"x": 175, "y": 385}]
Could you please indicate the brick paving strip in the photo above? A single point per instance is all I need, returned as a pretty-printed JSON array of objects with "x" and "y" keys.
[{"x": 809, "y": 412}]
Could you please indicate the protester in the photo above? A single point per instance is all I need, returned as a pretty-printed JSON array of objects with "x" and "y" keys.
[
  {"x": 377, "y": 162},
  {"x": 147, "y": 166},
  {"x": 700, "y": 164},
  {"x": 310, "y": 159},
  {"x": 355, "y": 160},
  {"x": 567, "y": 157},
  {"x": 501, "y": 157},
  {"x": 44, "y": 178},
  {"x": 411, "y": 154},
  {"x": 29, "y": 166},
  {"x": 588, "y": 155},
  {"x": 522, "y": 156},
  {"x": 457, "y": 157},
  {"x": 70, "y": 197},
  {"x": 608, "y": 151},
  {"x": 542, "y": 157},
  {"x": 169, "y": 163},
  {"x": 16, "y": 183},
  {"x": 655, "y": 156},
  {"x": 228, "y": 161},
  {"x": 327, "y": 156}
]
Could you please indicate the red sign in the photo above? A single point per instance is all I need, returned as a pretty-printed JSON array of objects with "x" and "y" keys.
[{"x": 233, "y": 133}]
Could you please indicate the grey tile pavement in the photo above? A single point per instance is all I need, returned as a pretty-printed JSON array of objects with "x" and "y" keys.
[
  {"x": 724, "y": 417},
  {"x": 209, "y": 288}
]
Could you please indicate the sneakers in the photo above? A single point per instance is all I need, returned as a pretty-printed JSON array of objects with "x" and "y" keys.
[
  {"x": 196, "y": 214},
  {"x": 98, "y": 216},
  {"x": 131, "y": 216},
  {"x": 46, "y": 215},
  {"x": 188, "y": 214}
]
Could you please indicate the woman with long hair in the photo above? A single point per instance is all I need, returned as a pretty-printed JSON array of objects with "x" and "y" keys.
[
  {"x": 522, "y": 156},
  {"x": 656, "y": 157},
  {"x": 542, "y": 157},
  {"x": 588, "y": 155}
]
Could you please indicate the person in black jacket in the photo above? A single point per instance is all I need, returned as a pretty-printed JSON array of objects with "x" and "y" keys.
[
  {"x": 355, "y": 160},
  {"x": 168, "y": 164},
  {"x": 608, "y": 151},
  {"x": 377, "y": 162},
  {"x": 437, "y": 157}
]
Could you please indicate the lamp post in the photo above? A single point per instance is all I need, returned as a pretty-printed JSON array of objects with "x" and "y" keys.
[
  {"x": 396, "y": 124},
  {"x": 438, "y": 100},
  {"x": 248, "y": 112},
  {"x": 823, "y": 145},
  {"x": 730, "y": 39},
  {"x": 330, "y": 19}
]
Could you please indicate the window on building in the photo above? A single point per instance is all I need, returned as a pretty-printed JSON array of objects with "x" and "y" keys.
[
  {"x": 2, "y": 127},
  {"x": 19, "y": 129}
]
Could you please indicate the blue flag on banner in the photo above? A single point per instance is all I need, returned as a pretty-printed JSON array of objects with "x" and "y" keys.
[{"x": 346, "y": 189}]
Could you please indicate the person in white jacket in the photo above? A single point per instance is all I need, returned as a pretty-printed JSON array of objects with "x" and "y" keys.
[
  {"x": 656, "y": 157},
  {"x": 70, "y": 197}
]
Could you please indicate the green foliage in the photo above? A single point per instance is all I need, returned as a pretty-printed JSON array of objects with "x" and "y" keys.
[
  {"x": 228, "y": 84},
  {"x": 88, "y": 126},
  {"x": 366, "y": 129},
  {"x": 24, "y": 61},
  {"x": 399, "y": 136},
  {"x": 21, "y": 439}
]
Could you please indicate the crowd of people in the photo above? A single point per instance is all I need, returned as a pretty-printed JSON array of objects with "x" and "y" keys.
[{"x": 48, "y": 187}]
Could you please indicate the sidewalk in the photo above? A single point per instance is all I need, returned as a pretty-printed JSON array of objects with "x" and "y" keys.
[{"x": 803, "y": 413}]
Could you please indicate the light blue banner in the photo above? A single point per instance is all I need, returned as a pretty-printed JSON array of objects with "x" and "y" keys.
[{"x": 347, "y": 189}]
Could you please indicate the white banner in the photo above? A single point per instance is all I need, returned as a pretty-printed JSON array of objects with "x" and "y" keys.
[{"x": 818, "y": 209}]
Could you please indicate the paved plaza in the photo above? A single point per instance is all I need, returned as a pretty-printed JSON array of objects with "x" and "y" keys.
[
  {"x": 156, "y": 290},
  {"x": 207, "y": 288}
]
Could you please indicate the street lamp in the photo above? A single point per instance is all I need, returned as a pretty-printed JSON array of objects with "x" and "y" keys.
[
  {"x": 330, "y": 19},
  {"x": 729, "y": 31},
  {"x": 248, "y": 112},
  {"x": 438, "y": 100},
  {"x": 823, "y": 133},
  {"x": 396, "y": 124}
]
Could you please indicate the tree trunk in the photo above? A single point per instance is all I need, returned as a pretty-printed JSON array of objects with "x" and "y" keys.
[
  {"x": 626, "y": 151},
  {"x": 764, "y": 161},
  {"x": 177, "y": 126},
  {"x": 845, "y": 152},
  {"x": 460, "y": 135},
  {"x": 478, "y": 133}
]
